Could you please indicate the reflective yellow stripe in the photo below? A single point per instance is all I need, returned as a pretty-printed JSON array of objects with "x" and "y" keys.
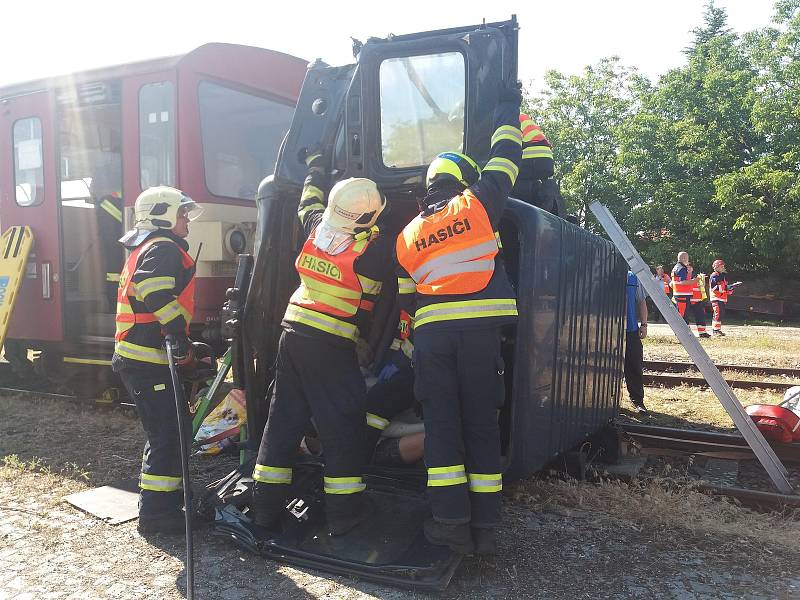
[
  {"x": 467, "y": 309},
  {"x": 330, "y": 288},
  {"x": 112, "y": 277},
  {"x": 406, "y": 285},
  {"x": 112, "y": 210},
  {"x": 267, "y": 474},
  {"x": 537, "y": 152},
  {"x": 308, "y": 293},
  {"x": 507, "y": 132},
  {"x": 503, "y": 165},
  {"x": 159, "y": 483},
  {"x": 370, "y": 286},
  {"x": 312, "y": 191},
  {"x": 461, "y": 261},
  {"x": 526, "y": 123},
  {"x": 302, "y": 212},
  {"x": 312, "y": 157},
  {"x": 168, "y": 312},
  {"x": 497, "y": 238},
  {"x": 444, "y": 476},
  {"x": 343, "y": 485},
  {"x": 87, "y": 361},
  {"x": 153, "y": 284},
  {"x": 485, "y": 482},
  {"x": 141, "y": 353},
  {"x": 377, "y": 422},
  {"x": 321, "y": 321}
]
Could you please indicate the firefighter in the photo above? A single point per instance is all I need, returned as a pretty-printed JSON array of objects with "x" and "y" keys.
[
  {"x": 698, "y": 301},
  {"x": 393, "y": 392},
  {"x": 108, "y": 203},
  {"x": 662, "y": 277},
  {"x": 681, "y": 284},
  {"x": 156, "y": 297},
  {"x": 451, "y": 278},
  {"x": 535, "y": 183},
  {"x": 341, "y": 266},
  {"x": 718, "y": 285}
]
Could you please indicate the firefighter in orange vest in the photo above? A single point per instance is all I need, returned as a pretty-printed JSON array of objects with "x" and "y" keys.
[
  {"x": 664, "y": 279},
  {"x": 156, "y": 297},
  {"x": 682, "y": 284},
  {"x": 452, "y": 279},
  {"x": 698, "y": 302},
  {"x": 342, "y": 266}
]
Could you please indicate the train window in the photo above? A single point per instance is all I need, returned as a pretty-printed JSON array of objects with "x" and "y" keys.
[
  {"x": 28, "y": 165},
  {"x": 242, "y": 134},
  {"x": 157, "y": 134},
  {"x": 422, "y": 107}
]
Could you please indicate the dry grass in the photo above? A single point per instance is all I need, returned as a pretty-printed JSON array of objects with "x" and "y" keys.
[
  {"x": 743, "y": 345},
  {"x": 661, "y": 503},
  {"x": 692, "y": 407}
]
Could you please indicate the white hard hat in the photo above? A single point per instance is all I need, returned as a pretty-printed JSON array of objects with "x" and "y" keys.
[
  {"x": 353, "y": 205},
  {"x": 157, "y": 208}
]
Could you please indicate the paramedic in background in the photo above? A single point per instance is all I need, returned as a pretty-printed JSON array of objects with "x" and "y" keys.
[
  {"x": 635, "y": 332},
  {"x": 663, "y": 279},
  {"x": 156, "y": 297},
  {"x": 698, "y": 302},
  {"x": 682, "y": 284},
  {"x": 718, "y": 285}
]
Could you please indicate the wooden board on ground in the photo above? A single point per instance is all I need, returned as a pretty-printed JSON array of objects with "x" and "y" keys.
[{"x": 116, "y": 503}]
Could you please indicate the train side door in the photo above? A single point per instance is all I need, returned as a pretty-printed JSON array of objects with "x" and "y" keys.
[{"x": 29, "y": 196}]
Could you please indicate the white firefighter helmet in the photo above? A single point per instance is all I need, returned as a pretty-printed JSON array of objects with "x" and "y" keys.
[
  {"x": 157, "y": 208},
  {"x": 354, "y": 205}
]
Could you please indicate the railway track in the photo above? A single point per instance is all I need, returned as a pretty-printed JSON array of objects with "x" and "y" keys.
[
  {"x": 743, "y": 384},
  {"x": 682, "y": 367},
  {"x": 715, "y": 443},
  {"x": 663, "y": 377}
]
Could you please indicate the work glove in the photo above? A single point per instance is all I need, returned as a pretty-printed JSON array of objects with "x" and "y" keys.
[
  {"x": 511, "y": 93},
  {"x": 182, "y": 350},
  {"x": 395, "y": 360},
  {"x": 311, "y": 156}
]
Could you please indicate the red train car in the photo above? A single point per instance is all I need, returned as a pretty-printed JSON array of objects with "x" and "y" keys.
[{"x": 76, "y": 151}]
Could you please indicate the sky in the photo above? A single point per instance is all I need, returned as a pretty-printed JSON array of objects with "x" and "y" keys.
[{"x": 42, "y": 38}]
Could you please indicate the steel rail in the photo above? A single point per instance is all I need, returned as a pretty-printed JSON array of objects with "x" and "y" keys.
[
  {"x": 681, "y": 367},
  {"x": 742, "y": 384},
  {"x": 694, "y": 440}
]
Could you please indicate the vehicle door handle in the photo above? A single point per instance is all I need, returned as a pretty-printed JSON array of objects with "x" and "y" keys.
[{"x": 46, "y": 291}]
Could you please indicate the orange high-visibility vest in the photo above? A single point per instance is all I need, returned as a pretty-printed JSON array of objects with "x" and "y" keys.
[
  {"x": 126, "y": 318},
  {"x": 531, "y": 132},
  {"x": 679, "y": 288},
  {"x": 331, "y": 291},
  {"x": 451, "y": 251}
]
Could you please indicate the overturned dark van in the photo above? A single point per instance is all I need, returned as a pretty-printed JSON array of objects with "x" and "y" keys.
[{"x": 385, "y": 117}]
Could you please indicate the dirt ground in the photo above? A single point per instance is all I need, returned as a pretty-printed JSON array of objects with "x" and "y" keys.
[{"x": 558, "y": 539}]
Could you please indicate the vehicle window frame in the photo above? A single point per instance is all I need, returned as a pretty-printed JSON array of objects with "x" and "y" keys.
[
  {"x": 427, "y": 52},
  {"x": 173, "y": 130},
  {"x": 242, "y": 89},
  {"x": 37, "y": 200}
]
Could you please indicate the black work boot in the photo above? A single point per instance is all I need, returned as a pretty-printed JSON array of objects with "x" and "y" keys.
[
  {"x": 168, "y": 523},
  {"x": 485, "y": 539},
  {"x": 457, "y": 537},
  {"x": 345, "y": 512},
  {"x": 268, "y": 504}
]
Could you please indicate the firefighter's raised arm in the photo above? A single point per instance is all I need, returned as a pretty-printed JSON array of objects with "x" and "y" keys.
[
  {"x": 501, "y": 171},
  {"x": 312, "y": 200}
]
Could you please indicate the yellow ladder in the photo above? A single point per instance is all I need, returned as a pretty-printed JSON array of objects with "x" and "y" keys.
[{"x": 15, "y": 245}]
